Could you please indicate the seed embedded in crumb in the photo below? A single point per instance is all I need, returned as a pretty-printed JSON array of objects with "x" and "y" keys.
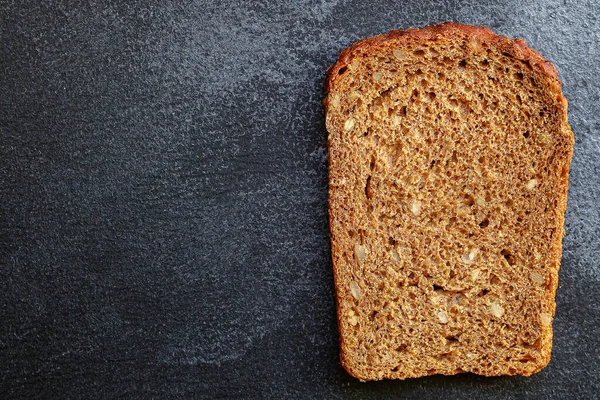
[
  {"x": 377, "y": 76},
  {"x": 443, "y": 317},
  {"x": 349, "y": 124},
  {"x": 399, "y": 54},
  {"x": 537, "y": 277},
  {"x": 474, "y": 44},
  {"x": 480, "y": 201},
  {"x": 353, "y": 320},
  {"x": 545, "y": 138},
  {"x": 458, "y": 299},
  {"x": 474, "y": 275},
  {"x": 334, "y": 100},
  {"x": 395, "y": 256},
  {"x": 496, "y": 309},
  {"x": 360, "y": 252},
  {"x": 355, "y": 290},
  {"x": 545, "y": 318},
  {"x": 415, "y": 206},
  {"x": 531, "y": 184},
  {"x": 391, "y": 160},
  {"x": 470, "y": 256}
]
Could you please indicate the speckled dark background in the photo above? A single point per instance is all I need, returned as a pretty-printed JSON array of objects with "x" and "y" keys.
[{"x": 163, "y": 220}]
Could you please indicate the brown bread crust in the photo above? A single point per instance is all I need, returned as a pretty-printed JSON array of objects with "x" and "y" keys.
[
  {"x": 516, "y": 47},
  {"x": 362, "y": 365}
]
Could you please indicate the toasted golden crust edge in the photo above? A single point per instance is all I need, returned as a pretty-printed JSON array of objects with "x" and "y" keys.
[{"x": 516, "y": 48}]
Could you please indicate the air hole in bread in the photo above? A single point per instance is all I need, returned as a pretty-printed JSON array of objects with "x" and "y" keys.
[
  {"x": 527, "y": 358},
  {"x": 510, "y": 259},
  {"x": 494, "y": 280},
  {"x": 373, "y": 315},
  {"x": 468, "y": 200},
  {"x": 368, "y": 187},
  {"x": 451, "y": 339}
]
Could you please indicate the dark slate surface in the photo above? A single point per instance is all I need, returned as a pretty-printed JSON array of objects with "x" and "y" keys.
[{"x": 163, "y": 221}]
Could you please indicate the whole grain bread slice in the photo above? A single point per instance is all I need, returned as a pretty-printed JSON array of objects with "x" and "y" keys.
[{"x": 449, "y": 153}]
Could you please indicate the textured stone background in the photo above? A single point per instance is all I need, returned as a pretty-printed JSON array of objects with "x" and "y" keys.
[{"x": 163, "y": 221}]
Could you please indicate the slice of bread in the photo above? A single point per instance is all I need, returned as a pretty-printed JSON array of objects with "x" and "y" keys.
[{"x": 449, "y": 153}]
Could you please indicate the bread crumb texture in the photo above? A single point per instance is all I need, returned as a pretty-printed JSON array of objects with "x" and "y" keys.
[{"x": 449, "y": 152}]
